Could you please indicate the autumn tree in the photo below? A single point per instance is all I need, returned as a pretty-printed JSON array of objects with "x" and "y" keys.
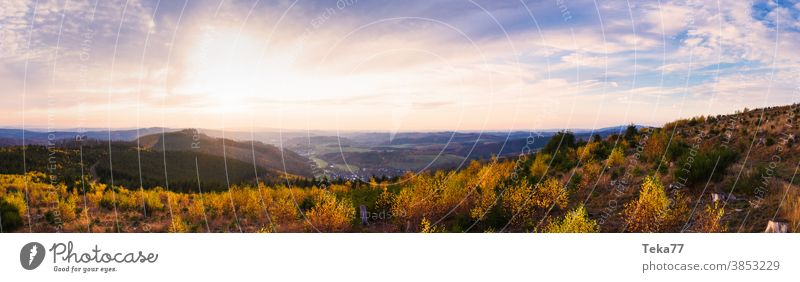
[
  {"x": 330, "y": 214},
  {"x": 575, "y": 221},
  {"x": 67, "y": 209},
  {"x": 649, "y": 212},
  {"x": 419, "y": 199},
  {"x": 591, "y": 172},
  {"x": 178, "y": 225},
  {"x": 710, "y": 220},
  {"x": 656, "y": 146},
  {"x": 487, "y": 183},
  {"x": 523, "y": 202},
  {"x": 517, "y": 201},
  {"x": 197, "y": 210},
  {"x": 616, "y": 158},
  {"x": 282, "y": 204},
  {"x": 384, "y": 201},
  {"x": 550, "y": 193},
  {"x": 587, "y": 152},
  {"x": 10, "y": 215},
  {"x": 540, "y": 166},
  {"x": 425, "y": 226}
]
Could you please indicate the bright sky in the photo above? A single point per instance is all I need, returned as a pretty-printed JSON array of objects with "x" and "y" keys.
[{"x": 391, "y": 65}]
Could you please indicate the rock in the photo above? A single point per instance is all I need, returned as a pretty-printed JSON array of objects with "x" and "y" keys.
[
  {"x": 716, "y": 197},
  {"x": 777, "y": 226}
]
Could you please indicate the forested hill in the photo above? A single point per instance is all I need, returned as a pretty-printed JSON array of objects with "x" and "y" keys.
[{"x": 263, "y": 155}]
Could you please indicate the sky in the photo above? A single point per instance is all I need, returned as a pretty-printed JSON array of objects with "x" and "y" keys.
[{"x": 391, "y": 65}]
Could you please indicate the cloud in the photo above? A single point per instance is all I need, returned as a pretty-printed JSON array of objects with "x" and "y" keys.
[{"x": 479, "y": 64}]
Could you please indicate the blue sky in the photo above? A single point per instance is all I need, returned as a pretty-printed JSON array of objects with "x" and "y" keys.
[{"x": 392, "y": 65}]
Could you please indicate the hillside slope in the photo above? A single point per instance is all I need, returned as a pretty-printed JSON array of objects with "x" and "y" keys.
[{"x": 264, "y": 155}]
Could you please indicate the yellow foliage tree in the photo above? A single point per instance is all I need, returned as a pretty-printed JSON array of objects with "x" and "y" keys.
[
  {"x": 152, "y": 199},
  {"x": 197, "y": 211},
  {"x": 426, "y": 227},
  {"x": 710, "y": 220},
  {"x": 416, "y": 201},
  {"x": 540, "y": 165},
  {"x": 586, "y": 152},
  {"x": 17, "y": 200},
  {"x": 177, "y": 225},
  {"x": 616, "y": 158},
  {"x": 488, "y": 177},
  {"x": 576, "y": 221},
  {"x": 591, "y": 171},
  {"x": 517, "y": 201},
  {"x": 384, "y": 201},
  {"x": 650, "y": 212},
  {"x": 330, "y": 214},
  {"x": 550, "y": 193},
  {"x": 281, "y": 204},
  {"x": 66, "y": 209},
  {"x": 656, "y": 146}
]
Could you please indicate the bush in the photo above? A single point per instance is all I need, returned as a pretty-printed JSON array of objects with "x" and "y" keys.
[
  {"x": 10, "y": 216},
  {"x": 676, "y": 149},
  {"x": 17, "y": 200},
  {"x": 699, "y": 169}
]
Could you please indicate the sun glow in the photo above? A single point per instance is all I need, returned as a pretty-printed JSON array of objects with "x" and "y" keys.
[
  {"x": 242, "y": 75},
  {"x": 232, "y": 69}
]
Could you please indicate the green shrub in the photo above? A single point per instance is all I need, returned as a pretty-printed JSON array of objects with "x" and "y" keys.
[
  {"x": 699, "y": 169},
  {"x": 9, "y": 216}
]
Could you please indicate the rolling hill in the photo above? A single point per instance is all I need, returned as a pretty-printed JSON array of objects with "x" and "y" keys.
[{"x": 263, "y": 155}]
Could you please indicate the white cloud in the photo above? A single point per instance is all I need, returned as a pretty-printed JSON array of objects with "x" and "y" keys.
[{"x": 367, "y": 63}]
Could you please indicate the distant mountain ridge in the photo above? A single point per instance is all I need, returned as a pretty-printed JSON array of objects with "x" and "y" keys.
[{"x": 14, "y": 137}]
